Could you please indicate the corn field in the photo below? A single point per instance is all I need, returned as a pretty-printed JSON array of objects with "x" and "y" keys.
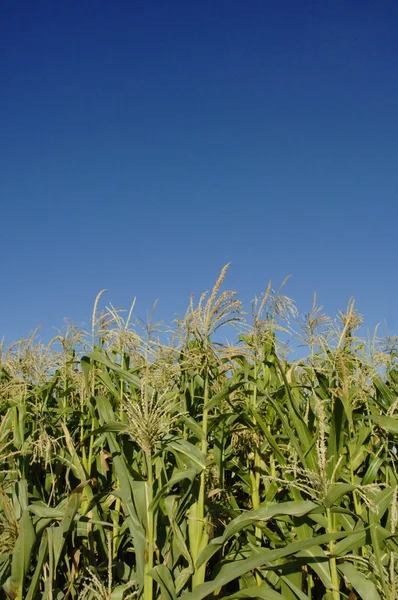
[{"x": 165, "y": 464}]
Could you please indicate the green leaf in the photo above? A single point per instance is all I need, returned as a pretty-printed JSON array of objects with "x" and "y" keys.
[
  {"x": 111, "y": 427},
  {"x": 131, "y": 504},
  {"x": 387, "y": 395},
  {"x": 261, "y": 558},
  {"x": 336, "y": 492},
  {"x": 256, "y": 591},
  {"x": 292, "y": 587},
  {"x": 135, "y": 381},
  {"x": 188, "y": 451},
  {"x": 372, "y": 471},
  {"x": 319, "y": 562},
  {"x": 253, "y": 517},
  {"x": 189, "y": 474},
  {"x": 163, "y": 577},
  {"x": 270, "y": 438},
  {"x": 58, "y": 533},
  {"x": 179, "y": 540},
  {"x": 86, "y": 366},
  {"x": 381, "y": 501},
  {"x": 336, "y": 437},
  {"x": 217, "y": 398},
  {"x": 107, "y": 381},
  {"x": 192, "y": 425},
  {"x": 305, "y": 438},
  {"x": 294, "y": 439},
  {"x": 46, "y": 512},
  {"x": 76, "y": 463},
  {"x": 21, "y": 557},
  {"x": 41, "y": 558},
  {"x": 361, "y": 583},
  {"x": 351, "y": 543},
  {"x": 388, "y": 423}
]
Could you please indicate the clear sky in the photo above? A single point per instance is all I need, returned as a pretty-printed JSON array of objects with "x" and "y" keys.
[{"x": 144, "y": 144}]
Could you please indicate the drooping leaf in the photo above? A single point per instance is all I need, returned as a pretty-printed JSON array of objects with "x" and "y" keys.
[{"x": 361, "y": 583}]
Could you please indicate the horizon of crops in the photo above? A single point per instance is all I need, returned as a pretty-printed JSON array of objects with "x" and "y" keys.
[{"x": 132, "y": 467}]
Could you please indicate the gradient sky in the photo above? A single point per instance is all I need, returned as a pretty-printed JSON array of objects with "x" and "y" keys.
[{"x": 145, "y": 144}]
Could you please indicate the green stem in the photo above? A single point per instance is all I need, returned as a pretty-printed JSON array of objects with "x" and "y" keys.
[
  {"x": 148, "y": 581},
  {"x": 310, "y": 585},
  {"x": 118, "y": 502},
  {"x": 335, "y": 594},
  {"x": 197, "y": 528},
  {"x": 255, "y": 474}
]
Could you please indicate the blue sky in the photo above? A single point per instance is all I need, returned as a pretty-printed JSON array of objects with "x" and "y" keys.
[{"x": 145, "y": 144}]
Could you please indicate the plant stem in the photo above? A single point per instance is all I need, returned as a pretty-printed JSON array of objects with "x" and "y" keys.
[
  {"x": 333, "y": 565},
  {"x": 148, "y": 581},
  {"x": 198, "y": 534}
]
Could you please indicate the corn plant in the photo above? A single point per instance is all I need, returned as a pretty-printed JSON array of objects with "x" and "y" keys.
[{"x": 133, "y": 467}]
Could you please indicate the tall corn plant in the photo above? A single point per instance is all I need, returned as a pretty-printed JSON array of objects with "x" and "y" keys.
[{"x": 135, "y": 469}]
